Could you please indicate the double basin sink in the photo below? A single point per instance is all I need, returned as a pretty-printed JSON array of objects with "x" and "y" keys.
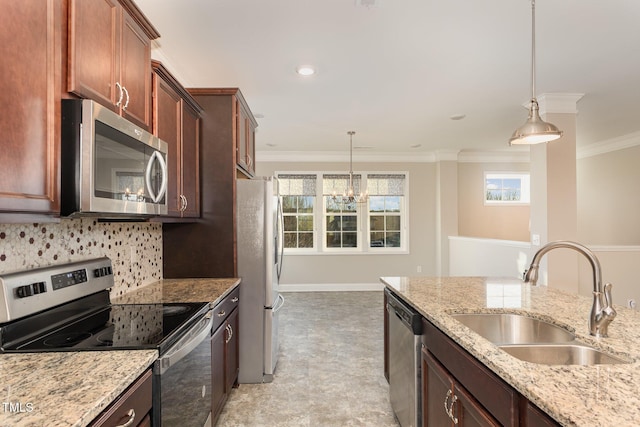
[{"x": 534, "y": 340}]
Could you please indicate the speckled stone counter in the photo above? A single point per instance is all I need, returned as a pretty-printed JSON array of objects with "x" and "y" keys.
[
  {"x": 65, "y": 389},
  {"x": 180, "y": 290},
  {"x": 72, "y": 388},
  {"x": 598, "y": 395}
]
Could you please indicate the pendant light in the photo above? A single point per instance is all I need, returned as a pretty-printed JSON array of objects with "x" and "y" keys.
[
  {"x": 349, "y": 197},
  {"x": 534, "y": 130}
]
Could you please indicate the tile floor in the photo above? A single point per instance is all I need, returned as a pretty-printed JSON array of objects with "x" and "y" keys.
[{"x": 330, "y": 368}]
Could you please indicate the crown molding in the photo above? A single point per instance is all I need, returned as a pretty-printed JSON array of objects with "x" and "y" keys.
[
  {"x": 609, "y": 145},
  {"x": 513, "y": 155},
  {"x": 340, "y": 156}
]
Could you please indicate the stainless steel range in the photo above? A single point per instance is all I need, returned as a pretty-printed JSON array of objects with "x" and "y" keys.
[{"x": 67, "y": 308}]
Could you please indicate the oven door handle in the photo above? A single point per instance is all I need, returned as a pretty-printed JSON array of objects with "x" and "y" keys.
[{"x": 202, "y": 332}]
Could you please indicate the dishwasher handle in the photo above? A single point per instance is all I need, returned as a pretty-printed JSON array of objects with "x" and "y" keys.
[{"x": 408, "y": 316}]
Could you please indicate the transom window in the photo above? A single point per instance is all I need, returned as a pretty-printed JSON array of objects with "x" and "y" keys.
[{"x": 317, "y": 220}]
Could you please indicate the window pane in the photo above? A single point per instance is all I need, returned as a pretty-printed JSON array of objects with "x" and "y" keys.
[
  {"x": 333, "y": 240},
  {"x": 377, "y": 240},
  {"x": 393, "y": 223},
  {"x": 305, "y": 223},
  {"x": 349, "y": 223},
  {"x": 393, "y": 240},
  {"x": 377, "y": 223},
  {"x": 392, "y": 204},
  {"x": 333, "y": 205},
  {"x": 289, "y": 204},
  {"x": 306, "y": 240},
  {"x": 305, "y": 204},
  {"x": 290, "y": 223},
  {"x": 376, "y": 203},
  {"x": 290, "y": 240},
  {"x": 350, "y": 240},
  {"x": 333, "y": 223}
]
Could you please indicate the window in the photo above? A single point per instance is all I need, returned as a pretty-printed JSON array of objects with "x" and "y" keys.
[
  {"x": 315, "y": 221},
  {"x": 298, "y": 193},
  {"x": 341, "y": 219},
  {"x": 386, "y": 193},
  {"x": 510, "y": 188}
]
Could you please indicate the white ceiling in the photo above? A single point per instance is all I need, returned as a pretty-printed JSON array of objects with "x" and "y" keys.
[{"x": 395, "y": 71}]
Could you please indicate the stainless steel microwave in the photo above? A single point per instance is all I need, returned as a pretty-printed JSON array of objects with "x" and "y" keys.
[{"x": 110, "y": 168}]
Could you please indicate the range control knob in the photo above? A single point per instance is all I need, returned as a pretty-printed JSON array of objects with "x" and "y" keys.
[{"x": 24, "y": 291}]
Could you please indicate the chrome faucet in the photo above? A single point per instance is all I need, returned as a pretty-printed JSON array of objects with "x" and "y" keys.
[{"x": 602, "y": 312}]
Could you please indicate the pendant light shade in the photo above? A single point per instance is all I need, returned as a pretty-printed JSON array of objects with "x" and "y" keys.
[{"x": 534, "y": 130}]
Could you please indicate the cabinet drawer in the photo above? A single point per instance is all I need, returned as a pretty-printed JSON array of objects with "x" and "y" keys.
[
  {"x": 225, "y": 307},
  {"x": 134, "y": 403},
  {"x": 492, "y": 392}
]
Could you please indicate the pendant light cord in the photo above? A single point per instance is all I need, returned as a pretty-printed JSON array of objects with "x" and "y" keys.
[{"x": 533, "y": 50}]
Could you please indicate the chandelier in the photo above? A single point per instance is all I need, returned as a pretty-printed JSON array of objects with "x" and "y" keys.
[
  {"x": 534, "y": 130},
  {"x": 349, "y": 197}
]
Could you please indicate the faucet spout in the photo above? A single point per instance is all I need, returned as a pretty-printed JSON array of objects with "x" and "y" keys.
[{"x": 602, "y": 312}]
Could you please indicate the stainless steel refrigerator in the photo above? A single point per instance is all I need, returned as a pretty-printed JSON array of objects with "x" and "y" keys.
[{"x": 259, "y": 249}]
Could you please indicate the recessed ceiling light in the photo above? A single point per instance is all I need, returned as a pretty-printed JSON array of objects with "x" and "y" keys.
[
  {"x": 271, "y": 144},
  {"x": 258, "y": 116},
  {"x": 458, "y": 116},
  {"x": 415, "y": 146},
  {"x": 305, "y": 70}
]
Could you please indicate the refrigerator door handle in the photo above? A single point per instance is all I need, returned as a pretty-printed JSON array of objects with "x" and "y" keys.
[{"x": 279, "y": 304}]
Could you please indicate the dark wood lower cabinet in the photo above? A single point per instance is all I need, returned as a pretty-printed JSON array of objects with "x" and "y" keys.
[
  {"x": 459, "y": 390},
  {"x": 225, "y": 360},
  {"x": 132, "y": 408}
]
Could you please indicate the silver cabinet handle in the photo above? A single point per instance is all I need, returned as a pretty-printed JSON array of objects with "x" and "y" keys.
[
  {"x": 186, "y": 203},
  {"x": 230, "y": 331},
  {"x": 132, "y": 416},
  {"x": 446, "y": 406},
  {"x": 119, "y": 86},
  {"x": 221, "y": 314},
  {"x": 126, "y": 104},
  {"x": 234, "y": 299},
  {"x": 183, "y": 203},
  {"x": 453, "y": 402}
]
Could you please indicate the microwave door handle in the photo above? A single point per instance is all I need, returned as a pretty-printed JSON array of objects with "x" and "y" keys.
[{"x": 147, "y": 176}]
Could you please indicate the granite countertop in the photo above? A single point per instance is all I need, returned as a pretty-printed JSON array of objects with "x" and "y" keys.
[
  {"x": 598, "y": 395},
  {"x": 65, "y": 388},
  {"x": 180, "y": 290},
  {"x": 72, "y": 388}
]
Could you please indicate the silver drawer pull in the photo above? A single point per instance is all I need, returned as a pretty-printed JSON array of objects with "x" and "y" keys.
[
  {"x": 132, "y": 416},
  {"x": 234, "y": 299},
  {"x": 222, "y": 313}
]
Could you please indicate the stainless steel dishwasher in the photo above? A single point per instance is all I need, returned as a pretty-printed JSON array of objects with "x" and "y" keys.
[{"x": 405, "y": 328}]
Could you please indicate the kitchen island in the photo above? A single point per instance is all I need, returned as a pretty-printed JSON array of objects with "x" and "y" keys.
[
  {"x": 70, "y": 389},
  {"x": 597, "y": 395}
]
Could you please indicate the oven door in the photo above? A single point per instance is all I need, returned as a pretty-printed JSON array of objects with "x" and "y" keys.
[{"x": 182, "y": 380}]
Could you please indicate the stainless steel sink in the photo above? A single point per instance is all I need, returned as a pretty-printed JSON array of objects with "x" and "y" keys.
[
  {"x": 506, "y": 328},
  {"x": 561, "y": 354}
]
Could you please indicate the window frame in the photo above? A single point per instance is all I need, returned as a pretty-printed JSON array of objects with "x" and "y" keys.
[
  {"x": 525, "y": 176},
  {"x": 363, "y": 216}
]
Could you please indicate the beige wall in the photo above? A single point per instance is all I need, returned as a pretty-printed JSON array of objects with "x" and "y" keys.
[
  {"x": 491, "y": 222},
  {"x": 332, "y": 269},
  {"x": 609, "y": 198}
]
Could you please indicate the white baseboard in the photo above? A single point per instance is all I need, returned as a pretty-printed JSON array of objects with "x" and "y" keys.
[{"x": 330, "y": 287}]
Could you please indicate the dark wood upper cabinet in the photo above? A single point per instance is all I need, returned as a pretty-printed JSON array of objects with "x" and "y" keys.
[
  {"x": 176, "y": 120},
  {"x": 30, "y": 84},
  {"x": 109, "y": 56}
]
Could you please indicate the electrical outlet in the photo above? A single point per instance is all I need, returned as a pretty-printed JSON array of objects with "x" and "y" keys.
[
  {"x": 535, "y": 239},
  {"x": 419, "y": 269},
  {"x": 631, "y": 303}
]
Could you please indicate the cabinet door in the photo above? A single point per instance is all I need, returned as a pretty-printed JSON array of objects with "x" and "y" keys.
[
  {"x": 534, "y": 417},
  {"x": 437, "y": 388},
  {"x": 469, "y": 412},
  {"x": 166, "y": 126},
  {"x": 218, "y": 371},
  {"x": 190, "y": 165},
  {"x": 251, "y": 148},
  {"x": 29, "y": 123},
  {"x": 94, "y": 40},
  {"x": 241, "y": 135},
  {"x": 232, "y": 362},
  {"x": 135, "y": 72}
]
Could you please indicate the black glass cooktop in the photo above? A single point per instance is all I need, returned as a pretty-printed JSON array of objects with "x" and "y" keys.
[{"x": 111, "y": 327}]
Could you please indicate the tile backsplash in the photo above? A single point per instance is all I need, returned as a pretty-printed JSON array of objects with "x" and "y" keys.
[{"x": 135, "y": 248}]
